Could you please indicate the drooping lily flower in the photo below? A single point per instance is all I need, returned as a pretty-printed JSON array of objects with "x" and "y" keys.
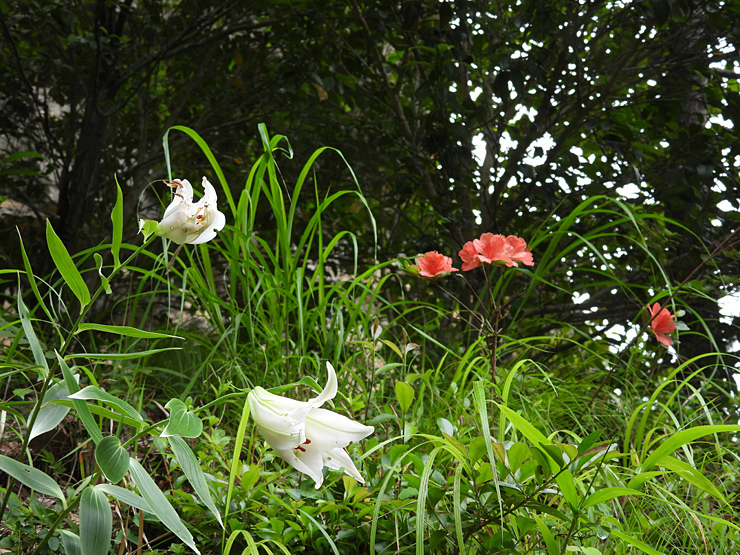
[
  {"x": 434, "y": 265},
  {"x": 662, "y": 324},
  {"x": 308, "y": 437},
  {"x": 188, "y": 222}
]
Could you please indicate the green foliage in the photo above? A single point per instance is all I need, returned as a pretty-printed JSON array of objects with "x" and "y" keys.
[{"x": 502, "y": 423}]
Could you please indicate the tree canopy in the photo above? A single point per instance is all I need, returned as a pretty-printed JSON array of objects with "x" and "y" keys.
[{"x": 456, "y": 117}]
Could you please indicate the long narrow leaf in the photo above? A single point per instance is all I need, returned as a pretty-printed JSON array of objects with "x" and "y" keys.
[
  {"x": 682, "y": 438},
  {"x": 66, "y": 266},
  {"x": 160, "y": 505},
  {"x": 50, "y": 414},
  {"x": 83, "y": 410},
  {"x": 31, "y": 477},
  {"x": 33, "y": 341},
  {"x": 128, "y": 331},
  {"x": 125, "y": 496},
  {"x": 116, "y": 217},
  {"x": 191, "y": 467},
  {"x": 91, "y": 392}
]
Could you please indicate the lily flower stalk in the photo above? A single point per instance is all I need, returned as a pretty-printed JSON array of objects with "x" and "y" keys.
[
  {"x": 187, "y": 222},
  {"x": 306, "y": 436}
]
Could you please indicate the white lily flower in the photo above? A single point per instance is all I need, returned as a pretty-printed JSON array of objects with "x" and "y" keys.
[
  {"x": 188, "y": 222},
  {"x": 306, "y": 436}
]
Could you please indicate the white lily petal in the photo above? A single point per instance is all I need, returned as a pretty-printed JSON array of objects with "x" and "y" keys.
[
  {"x": 330, "y": 430},
  {"x": 209, "y": 193},
  {"x": 339, "y": 459},
  {"x": 309, "y": 463},
  {"x": 330, "y": 391},
  {"x": 308, "y": 437},
  {"x": 218, "y": 223},
  {"x": 280, "y": 420},
  {"x": 188, "y": 222}
]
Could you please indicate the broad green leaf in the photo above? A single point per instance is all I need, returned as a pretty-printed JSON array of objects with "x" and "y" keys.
[
  {"x": 160, "y": 505},
  {"x": 682, "y": 438},
  {"x": 128, "y": 331},
  {"x": 33, "y": 341},
  {"x": 126, "y": 496},
  {"x": 50, "y": 414},
  {"x": 392, "y": 346},
  {"x": 92, "y": 392},
  {"x": 191, "y": 467},
  {"x": 96, "y": 522},
  {"x": 32, "y": 478},
  {"x": 550, "y": 542},
  {"x": 116, "y": 217},
  {"x": 588, "y": 442},
  {"x": 182, "y": 422},
  {"x": 103, "y": 279},
  {"x": 112, "y": 458},
  {"x": 529, "y": 431},
  {"x": 83, "y": 410},
  {"x": 405, "y": 395},
  {"x": 606, "y": 494},
  {"x": 66, "y": 266}
]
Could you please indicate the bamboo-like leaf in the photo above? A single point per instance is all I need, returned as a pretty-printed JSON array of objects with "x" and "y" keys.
[
  {"x": 33, "y": 341},
  {"x": 125, "y": 496},
  {"x": 191, "y": 467},
  {"x": 50, "y": 414},
  {"x": 66, "y": 266},
  {"x": 159, "y": 504},
  {"x": 83, "y": 411},
  {"x": 96, "y": 522},
  {"x": 564, "y": 479},
  {"x": 121, "y": 356},
  {"x": 682, "y": 438},
  {"x": 31, "y": 477},
  {"x": 32, "y": 279},
  {"x": 635, "y": 542},
  {"x": 92, "y": 392},
  {"x": 691, "y": 475},
  {"x": 606, "y": 494},
  {"x": 116, "y": 217},
  {"x": 128, "y": 331}
]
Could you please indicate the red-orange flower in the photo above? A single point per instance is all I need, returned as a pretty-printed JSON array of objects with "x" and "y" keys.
[
  {"x": 519, "y": 251},
  {"x": 434, "y": 265},
  {"x": 469, "y": 256},
  {"x": 662, "y": 324},
  {"x": 493, "y": 249}
]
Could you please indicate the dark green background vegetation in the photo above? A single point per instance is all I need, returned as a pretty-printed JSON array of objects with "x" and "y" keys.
[{"x": 601, "y": 132}]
